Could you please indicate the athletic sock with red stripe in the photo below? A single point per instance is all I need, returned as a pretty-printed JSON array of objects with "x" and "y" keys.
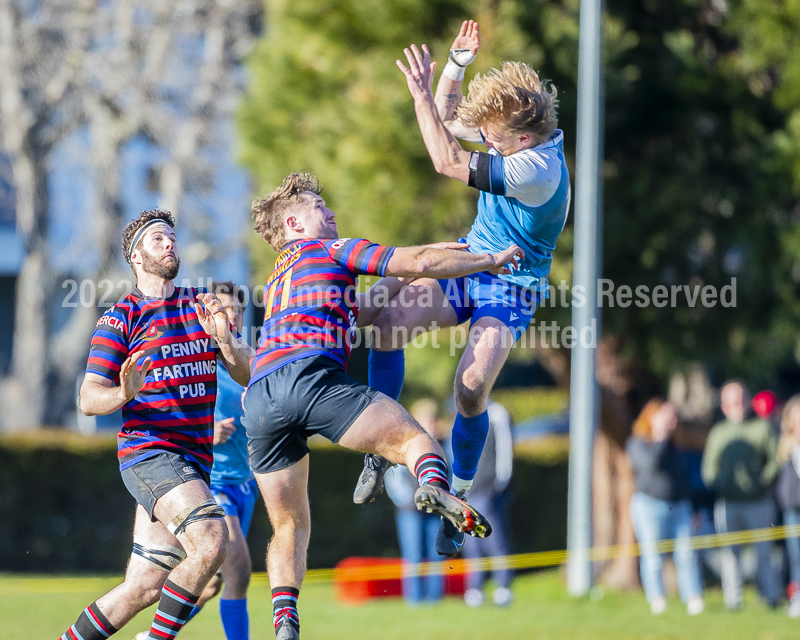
[
  {"x": 174, "y": 608},
  {"x": 284, "y": 606},
  {"x": 432, "y": 469},
  {"x": 90, "y": 625}
]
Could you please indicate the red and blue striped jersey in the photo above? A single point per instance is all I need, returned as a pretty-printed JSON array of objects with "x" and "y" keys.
[
  {"x": 309, "y": 301},
  {"x": 174, "y": 411}
]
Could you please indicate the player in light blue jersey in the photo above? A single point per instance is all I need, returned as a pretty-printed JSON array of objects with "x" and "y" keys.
[{"x": 524, "y": 198}]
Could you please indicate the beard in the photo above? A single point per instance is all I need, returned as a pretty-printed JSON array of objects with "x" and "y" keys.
[{"x": 167, "y": 270}]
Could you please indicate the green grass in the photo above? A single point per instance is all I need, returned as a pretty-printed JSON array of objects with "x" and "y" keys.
[{"x": 44, "y": 608}]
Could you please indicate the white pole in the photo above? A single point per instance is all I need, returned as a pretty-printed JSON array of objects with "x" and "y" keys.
[{"x": 587, "y": 256}]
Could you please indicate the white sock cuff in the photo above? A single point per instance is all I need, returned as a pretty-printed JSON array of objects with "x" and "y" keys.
[{"x": 459, "y": 485}]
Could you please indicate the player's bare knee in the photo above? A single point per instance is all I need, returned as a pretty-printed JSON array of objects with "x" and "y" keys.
[
  {"x": 389, "y": 330},
  {"x": 206, "y": 542},
  {"x": 470, "y": 400},
  {"x": 239, "y": 579}
]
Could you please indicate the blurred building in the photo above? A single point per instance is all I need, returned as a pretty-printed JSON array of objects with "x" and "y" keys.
[{"x": 10, "y": 261}]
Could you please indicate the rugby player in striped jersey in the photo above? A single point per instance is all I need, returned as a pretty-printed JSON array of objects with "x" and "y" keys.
[
  {"x": 154, "y": 355},
  {"x": 299, "y": 386}
]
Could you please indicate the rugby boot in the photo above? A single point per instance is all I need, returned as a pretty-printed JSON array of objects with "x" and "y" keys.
[
  {"x": 370, "y": 482},
  {"x": 449, "y": 540},
  {"x": 286, "y": 631},
  {"x": 461, "y": 517}
]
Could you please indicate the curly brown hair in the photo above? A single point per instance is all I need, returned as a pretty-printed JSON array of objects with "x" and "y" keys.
[
  {"x": 512, "y": 99},
  {"x": 137, "y": 223},
  {"x": 267, "y": 213}
]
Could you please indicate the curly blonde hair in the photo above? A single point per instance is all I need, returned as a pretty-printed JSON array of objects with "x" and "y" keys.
[
  {"x": 268, "y": 212},
  {"x": 512, "y": 99}
]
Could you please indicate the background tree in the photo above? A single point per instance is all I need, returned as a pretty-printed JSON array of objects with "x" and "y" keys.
[
  {"x": 702, "y": 171},
  {"x": 109, "y": 73}
]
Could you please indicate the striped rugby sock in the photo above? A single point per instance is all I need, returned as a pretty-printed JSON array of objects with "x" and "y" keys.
[
  {"x": 174, "y": 608},
  {"x": 90, "y": 625},
  {"x": 284, "y": 606},
  {"x": 432, "y": 469}
]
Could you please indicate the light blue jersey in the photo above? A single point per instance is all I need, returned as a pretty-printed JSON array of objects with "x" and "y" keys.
[
  {"x": 526, "y": 205},
  {"x": 230, "y": 459}
]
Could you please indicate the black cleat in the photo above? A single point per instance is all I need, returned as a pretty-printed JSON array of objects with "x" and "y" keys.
[
  {"x": 370, "y": 482},
  {"x": 287, "y": 631},
  {"x": 456, "y": 513},
  {"x": 449, "y": 540}
]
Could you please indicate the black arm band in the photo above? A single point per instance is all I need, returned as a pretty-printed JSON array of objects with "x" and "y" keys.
[{"x": 479, "y": 171}]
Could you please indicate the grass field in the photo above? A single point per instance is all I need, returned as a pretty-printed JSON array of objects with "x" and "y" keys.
[{"x": 45, "y": 607}]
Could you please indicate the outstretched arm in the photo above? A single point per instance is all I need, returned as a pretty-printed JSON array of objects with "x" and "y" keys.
[
  {"x": 235, "y": 353},
  {"x": 379, "y": 295},
  {"x": 445, "y": 151},
  {"x": 449, "y": 89},
  {"x": 432, "y": 262},
  {"x": 98, "y": 395}
]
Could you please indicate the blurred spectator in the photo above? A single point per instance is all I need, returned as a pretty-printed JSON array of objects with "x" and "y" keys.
[
  {"x": 416, "y": 531},
  {"x": 490, "y": 495},
  {"x": 660, "y": 507},
  {"x": 788, "y": 494},
  {"x": 740, "y": 463}
]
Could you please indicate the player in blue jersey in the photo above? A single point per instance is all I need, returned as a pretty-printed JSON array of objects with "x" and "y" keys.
[
  {"x": 524, "y": 199},
  {"x": 299, "y": 386},
  {"x": 154, "y": 355}
]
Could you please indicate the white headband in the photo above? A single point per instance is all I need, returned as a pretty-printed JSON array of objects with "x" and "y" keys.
[{"x": 138, "y": 235}]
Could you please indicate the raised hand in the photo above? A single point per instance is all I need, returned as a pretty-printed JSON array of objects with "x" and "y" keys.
[
  {"x": 468, "y": 38},
  {"x": 510, "y": 256},
  {"x": 223, "y": 430},
  {"x": 420, "y": 70},
  {"x": 131, "y": 377},
  {"x": 212, "y": 317}
]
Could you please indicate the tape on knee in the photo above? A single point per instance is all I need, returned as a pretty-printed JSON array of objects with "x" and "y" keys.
[
  {"x": 164, "y": 556},
  {"x": 201, "y": 511}
]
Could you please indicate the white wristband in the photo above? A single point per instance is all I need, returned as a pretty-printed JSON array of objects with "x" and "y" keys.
[{"x": 453, "y": 71}]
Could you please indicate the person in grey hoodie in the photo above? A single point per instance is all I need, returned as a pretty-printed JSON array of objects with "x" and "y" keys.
[{"x": 660, "y": 506}]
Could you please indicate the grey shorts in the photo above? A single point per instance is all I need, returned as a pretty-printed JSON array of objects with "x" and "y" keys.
[{"x": 151, "y": 478}]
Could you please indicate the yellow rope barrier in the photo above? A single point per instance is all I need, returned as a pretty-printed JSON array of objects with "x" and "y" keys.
[
  {"x": 453, "y": 566},
  {"x": 539, "y": 559}
]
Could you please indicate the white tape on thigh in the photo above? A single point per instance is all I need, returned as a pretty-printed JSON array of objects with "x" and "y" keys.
[
  {"x": 164, "y": 556},
  {"x": 200, "y": 511}
]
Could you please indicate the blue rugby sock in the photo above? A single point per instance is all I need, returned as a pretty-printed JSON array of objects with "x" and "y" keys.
[
  {"x": 469, "y": 436},
  {"x": 235, "y": 620},
  {"x": 387, "y": 370},
  {"x": 197, "y": 609}
]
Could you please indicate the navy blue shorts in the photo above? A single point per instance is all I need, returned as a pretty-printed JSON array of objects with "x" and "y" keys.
[
  {"x": 309, "y": 396},
  {"x": 485, "y": 295},
  {"x": 237, "y": 500}
]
